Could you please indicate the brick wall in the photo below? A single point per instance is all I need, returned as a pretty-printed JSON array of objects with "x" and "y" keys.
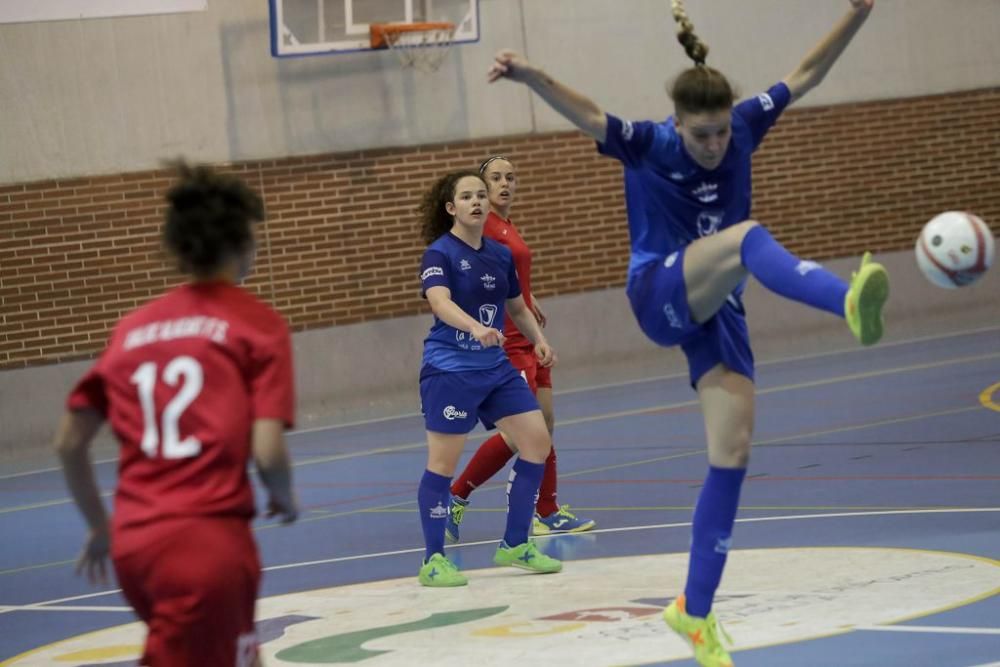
[{"x": 341, "y": 244}]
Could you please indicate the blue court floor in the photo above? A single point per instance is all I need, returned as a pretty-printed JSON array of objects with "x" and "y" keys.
[{"x": 868, "y": 534}]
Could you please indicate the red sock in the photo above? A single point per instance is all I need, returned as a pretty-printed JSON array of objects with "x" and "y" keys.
[
  {"x": 547, "y": 491},
  {"x": 491, "y": 456}
]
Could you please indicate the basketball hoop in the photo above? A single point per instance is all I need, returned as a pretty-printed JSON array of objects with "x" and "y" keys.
[{"x": 422, "y": 46}]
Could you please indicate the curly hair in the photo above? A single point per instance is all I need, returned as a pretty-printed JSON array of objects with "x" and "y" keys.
[
  {"x": 700, "y": 88},
  {"x": 435, "y": 220},
  {"x": 209, "y": 218}
]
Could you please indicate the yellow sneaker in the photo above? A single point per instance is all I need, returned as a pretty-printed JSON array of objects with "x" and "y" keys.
[
  {"x": 866, "y": 295},
  {"x": 701, "y": 634}
]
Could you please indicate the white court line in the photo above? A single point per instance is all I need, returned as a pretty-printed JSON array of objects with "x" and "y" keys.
[
  {"x": 680, "y": 524},
  {"x": 931, "y": 629},
  {"x": 626, "y": 383},
  {"x": 77, "y": 608}
]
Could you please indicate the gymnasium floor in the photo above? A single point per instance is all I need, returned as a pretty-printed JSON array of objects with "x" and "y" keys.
[{"x": 869, "y": 533}]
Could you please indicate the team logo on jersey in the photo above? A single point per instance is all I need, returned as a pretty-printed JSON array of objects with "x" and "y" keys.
[
  {"x": 708, "y": 222},
  {"x": 627, "y": 130},
  {"x": 451, "y": 413},
  {"x": 489, "y": 282},
  {"x": 765, "y": 101},
  {"x": 487, "y": 313},
  {"x": 431, "y": 271},
  {"x": 439, "y": 511},
  {"x": 707, "y": 192},
  {"x": 464, "y": 265}
]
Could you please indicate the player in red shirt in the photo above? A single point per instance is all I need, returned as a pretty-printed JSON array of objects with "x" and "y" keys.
[
  {"x": 193, "y": 384},
  {"x": 493, "y": 454}
]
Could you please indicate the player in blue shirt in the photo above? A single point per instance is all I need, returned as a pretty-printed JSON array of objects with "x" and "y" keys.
[
  {"x": 687, "y": 194},
  {"x": 466, "y": 377}
]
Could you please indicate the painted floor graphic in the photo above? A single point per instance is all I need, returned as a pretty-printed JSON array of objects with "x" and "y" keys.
[{"x": 599, "y": 612}]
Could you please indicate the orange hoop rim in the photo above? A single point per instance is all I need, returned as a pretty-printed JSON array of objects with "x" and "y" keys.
[{"x": 378, "y": 33}]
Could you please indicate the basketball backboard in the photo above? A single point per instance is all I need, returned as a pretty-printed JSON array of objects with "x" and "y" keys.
[{"x": 316, "y": 27}]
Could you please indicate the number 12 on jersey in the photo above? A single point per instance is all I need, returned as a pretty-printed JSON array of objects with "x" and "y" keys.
[{"x": 145, "y": 378}]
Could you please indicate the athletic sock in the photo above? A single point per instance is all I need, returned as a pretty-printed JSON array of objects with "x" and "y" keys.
[
  {"x": 522, "y": 490},
  {"x": 783, "y": 273},
  {"x": 488, "y": 460},
  {"x": 711, "y": 536},
  {"x": 547, "y": 504},
  {"x": 432, "y": 501}
]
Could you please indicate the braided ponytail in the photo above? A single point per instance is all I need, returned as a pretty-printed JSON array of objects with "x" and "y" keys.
[
  {"x": 696, "y": 49},
  {"x": 700, "y": 88}
]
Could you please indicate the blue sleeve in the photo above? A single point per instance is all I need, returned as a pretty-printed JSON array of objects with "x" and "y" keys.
[
  {"x": 761, "y": 112},
  {"x": 434, "y": 270},
  {"x": 627, "y": 141}
]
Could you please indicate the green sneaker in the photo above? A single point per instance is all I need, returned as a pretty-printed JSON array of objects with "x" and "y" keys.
[
  {"x": 866, "y": 295},
  {"x": 439, "y": 572},
  {"x": 701, "y": 634},
  {"x": 527, "y": 557}
]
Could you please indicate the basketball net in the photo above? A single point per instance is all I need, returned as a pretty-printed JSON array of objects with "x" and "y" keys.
[{"x": 419, "y": 46}]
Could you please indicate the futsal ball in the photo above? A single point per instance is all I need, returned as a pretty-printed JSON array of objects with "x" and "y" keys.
[{"x": 954, "y": 249}]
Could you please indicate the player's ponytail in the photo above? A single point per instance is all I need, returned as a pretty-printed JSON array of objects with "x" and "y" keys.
[
  {"x": 208, "y": 219},
  {"x": 696, "y": 49},
  {"x": 435, "y": 221},
  {"x": 700, "y": 88}
]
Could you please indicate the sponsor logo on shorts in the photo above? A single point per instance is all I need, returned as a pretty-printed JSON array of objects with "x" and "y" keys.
[
  {"x": 431, "y": 271},
  {"x": 451, "y": 413},
  {"x": 672, "y": 317},
  {"x": 628, "y": 130}
]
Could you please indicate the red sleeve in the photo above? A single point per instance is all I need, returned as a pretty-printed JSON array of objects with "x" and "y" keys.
[
  {"x": 90, "y": 392},
  {"x": 272, "y": 386}
]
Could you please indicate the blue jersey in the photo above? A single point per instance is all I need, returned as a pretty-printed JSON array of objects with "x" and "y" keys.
[
  {"x": 670, "y": 200},
  {"x": 480, "y": 281}
]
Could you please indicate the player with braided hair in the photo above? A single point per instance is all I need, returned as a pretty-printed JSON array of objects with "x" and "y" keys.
[
  {"x": 694, "y": 243},
  {"x": 194, "y": 383}
]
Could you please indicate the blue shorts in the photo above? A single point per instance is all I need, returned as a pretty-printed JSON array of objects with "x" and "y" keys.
[
  {"x": 452, "y": 402},
  {"x": 658, "y": 296}
]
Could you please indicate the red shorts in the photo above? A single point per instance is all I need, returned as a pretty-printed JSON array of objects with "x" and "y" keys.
[
  {"x": 194, "y": 583},
  {"x": 538, "y": 376}
]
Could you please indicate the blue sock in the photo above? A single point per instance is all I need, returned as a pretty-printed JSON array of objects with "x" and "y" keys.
[
  {"x": 432, "y": 502},
  {"x": 783, "y": 273},
  {"x": 522, "y": 492},
  {"x": 711, "y": 536}
]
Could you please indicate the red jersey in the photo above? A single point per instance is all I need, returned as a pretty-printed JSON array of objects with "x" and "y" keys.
[
  {"x": 506, "y": 233},
  {"x": 181, "y": 382}
]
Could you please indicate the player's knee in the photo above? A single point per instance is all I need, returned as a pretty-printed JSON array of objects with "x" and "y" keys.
[
  {"x": 732, "y": 452},
  {"x": 743, "y": 228}
]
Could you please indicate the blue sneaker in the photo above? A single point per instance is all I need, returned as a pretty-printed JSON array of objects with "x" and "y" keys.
[
  {"x": 562, "y": 521},
  {"x": 456, "y": 511}
]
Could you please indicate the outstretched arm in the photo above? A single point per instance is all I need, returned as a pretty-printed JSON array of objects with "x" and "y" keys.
[
  {"x": 576, "y": 108},
  {"x": 818, "y": 62}
]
